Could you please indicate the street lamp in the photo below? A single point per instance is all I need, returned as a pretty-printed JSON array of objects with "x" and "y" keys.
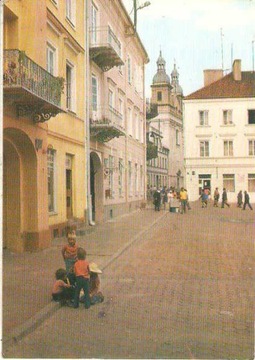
[{"x": 147, "y": 3}]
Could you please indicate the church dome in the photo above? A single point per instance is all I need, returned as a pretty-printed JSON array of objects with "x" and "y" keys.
[
  {"x": 161, "y": 75},
  {"x": 177, "y": 89}
]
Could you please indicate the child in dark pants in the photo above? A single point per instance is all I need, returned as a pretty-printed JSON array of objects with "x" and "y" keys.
[
  {"x": 81, "y": 270},
  {"x": 62, "y": 291}
]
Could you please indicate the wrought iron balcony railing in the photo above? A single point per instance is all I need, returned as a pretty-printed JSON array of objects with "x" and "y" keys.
[
  {"x": 33, "y": 90},
  {"x": 105, "y": 48},
  {"x": 106, "y": 123}
]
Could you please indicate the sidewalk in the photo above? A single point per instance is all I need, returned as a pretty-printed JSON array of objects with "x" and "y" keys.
[{"x": 28, "y": 277}]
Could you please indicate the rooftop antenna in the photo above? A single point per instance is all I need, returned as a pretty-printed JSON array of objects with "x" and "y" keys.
[{"x": 221, "y": 36}]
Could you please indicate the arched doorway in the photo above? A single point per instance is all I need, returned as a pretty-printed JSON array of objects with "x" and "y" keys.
[
  {"x": 96, "y": 187},
  {"x": 19, "y": 189}
]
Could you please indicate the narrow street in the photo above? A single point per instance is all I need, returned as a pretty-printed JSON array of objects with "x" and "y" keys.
[{"x": 184, "y": 290}]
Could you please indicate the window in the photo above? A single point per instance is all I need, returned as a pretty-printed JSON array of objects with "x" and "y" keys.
[
  {"x": 204, "y": 148},
  {"x": 93, "y": 24},
  {"x": 129, "y": 70},
  {"x": 159, "y": 96},
  {"x": 121, "y": 108},
  {"x": 251, "y": 117},
  {"x": 121, "y": 167},
  {"x": 229, "y": 182},
  {"x": 251, "y": 147},
  {"x": 111, "y": 167},
  {"x": 251, "y": 182},
  {"x": 130, "y": 178},
  {"x": 177, "y": 137},
  {"x": 51, "y": 59},
  {"x": 69, "y": 79},
  {"x": 94, "y": 93},
  {"x": 129, "y": 125},
  {"x": 136, "y": 179},
  {"x": 141, "y": 179},
  {"x": 203, "y": 117},
  {"x": 70, "y": 10},
  {"x": 51, "y": 159},
  {"x": 110, "y": 99},
  {"x": 120, "y": 54},
  {"x": 228, "y": 148},
  {"x": 227, "y": 117}
]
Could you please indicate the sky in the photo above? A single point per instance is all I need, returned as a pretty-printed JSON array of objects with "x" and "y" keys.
[{"x": 197, "y": 35}]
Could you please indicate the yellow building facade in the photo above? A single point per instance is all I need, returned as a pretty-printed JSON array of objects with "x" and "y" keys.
[{"x": 44, "y": 157}]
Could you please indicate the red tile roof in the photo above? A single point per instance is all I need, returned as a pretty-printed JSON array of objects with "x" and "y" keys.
[{"x": 227, "y": 87}]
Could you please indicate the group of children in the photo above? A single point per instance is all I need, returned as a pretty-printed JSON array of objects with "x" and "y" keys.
[{"x": 78, "y": 275}]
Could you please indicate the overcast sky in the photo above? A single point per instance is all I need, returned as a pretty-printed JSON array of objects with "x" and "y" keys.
[{"x": 189, "y": 32}]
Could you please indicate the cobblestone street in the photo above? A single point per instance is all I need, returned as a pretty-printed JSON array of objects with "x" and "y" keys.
[{"x": 183, "y": 290}]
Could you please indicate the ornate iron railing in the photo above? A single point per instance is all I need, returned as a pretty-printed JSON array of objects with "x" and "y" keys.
[{"x": 22, "y": 72}]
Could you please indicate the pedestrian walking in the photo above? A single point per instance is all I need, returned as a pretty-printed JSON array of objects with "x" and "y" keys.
[
  {"x": 157, "y": 200},
  {"x": 69, "y": 251},
  {"x": 240, "y": 199},
  {"x": 188, "y": 204},
  {"x": 216, "y": 197},
  {"x": 81, "y": 270},
  {"x": 183, "y": 199},
  {"x": 224, "y": 199},
  {"x": 246, "y": 201},
  {"x": 204, "y": 198}
]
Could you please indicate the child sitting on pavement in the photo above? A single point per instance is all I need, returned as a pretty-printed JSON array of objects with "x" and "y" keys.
[
  {"x": 62, "y": 291},
  {"x": 94, "y": 284},
  {"x": 69, "y": 251},
  {"x": 81, "y": 270}
]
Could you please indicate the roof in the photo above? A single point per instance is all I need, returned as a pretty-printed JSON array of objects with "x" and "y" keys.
[{"x": 227, "y": 87}]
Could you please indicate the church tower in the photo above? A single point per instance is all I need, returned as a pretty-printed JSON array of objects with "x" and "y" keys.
[{"x": 161, "y": 87}]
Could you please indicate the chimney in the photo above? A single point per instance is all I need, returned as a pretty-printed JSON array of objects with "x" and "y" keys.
[
  {"x": 211, "y": 76},
  {"x": 237, "y": 74}
]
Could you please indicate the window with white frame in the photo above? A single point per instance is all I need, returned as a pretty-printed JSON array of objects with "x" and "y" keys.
[
  {"x": 94, "y": 93},
  {"x": 129, "y": 70},
  {"x": 51, "y": 59},
  {"x": 251, "y": 117},
  {"x": 251, "y": 147},
  {"x": 121, "y": 168},
  {"x": 227, "y": 117},
  {"x": 203, "y": 117},
  {"x": 229, "y": 182},
  {"x": 120, "y": 54},
  {"x": 251, "y": 182},
  {"x": 51, "y": 163},
  {"x": 111, "y": 177},
  {"x": 228, "y": 148},
  {"x": 136, "y": 125},
  {"x": 130, "y": 178},
  {"x": 71, "y": 10},
  {"x": 204, "y": 148},
  {"x": 93, "y": 30},
  {"x": 70, "y": 86},
  {"x": 141, "y": 130}
]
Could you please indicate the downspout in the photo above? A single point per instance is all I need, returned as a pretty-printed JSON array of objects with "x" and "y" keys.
[{"x": 87, "y": 122}]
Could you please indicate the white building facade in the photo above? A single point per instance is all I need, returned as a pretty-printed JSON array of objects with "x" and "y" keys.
[{"x": 219, "y": 134}]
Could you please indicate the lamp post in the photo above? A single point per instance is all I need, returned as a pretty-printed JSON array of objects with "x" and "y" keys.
[{"x": 147, "y": 3}]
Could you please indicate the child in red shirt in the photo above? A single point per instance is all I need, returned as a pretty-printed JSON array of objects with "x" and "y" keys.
[
  {"x": 69, "y": 251},
  {"x": 81, "y": 270}
]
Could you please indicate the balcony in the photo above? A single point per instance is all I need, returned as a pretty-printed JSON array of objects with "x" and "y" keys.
[
  {"x": 33, "y": 90},
  {"x": 105, "y": 48},
  {"x": 106, "y": 123}
]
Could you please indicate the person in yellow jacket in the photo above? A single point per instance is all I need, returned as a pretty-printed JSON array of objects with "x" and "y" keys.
[{"x": 183, "y": 199}]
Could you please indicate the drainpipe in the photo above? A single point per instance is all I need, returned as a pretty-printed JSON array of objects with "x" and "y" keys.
[
  {"x": 1, "y": 115},
  {"x": 86, "y": 122}
]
